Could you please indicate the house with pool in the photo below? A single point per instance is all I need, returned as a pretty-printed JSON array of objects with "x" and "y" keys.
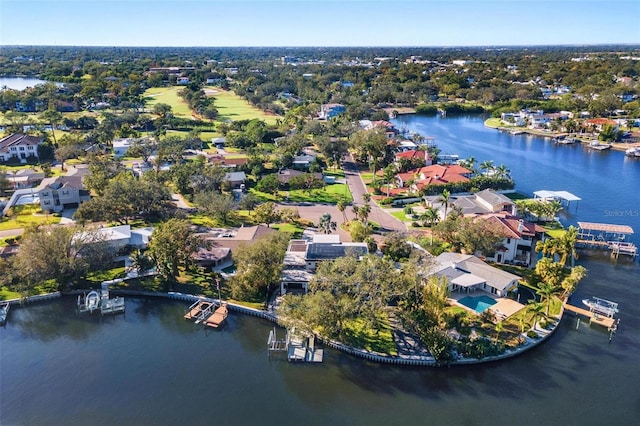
[{"x": 476, "y": 285}]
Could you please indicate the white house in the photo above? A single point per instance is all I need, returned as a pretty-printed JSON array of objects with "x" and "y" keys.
[
  {"x": 19, "y": 147},
  {"x": 466, "y": 274}
]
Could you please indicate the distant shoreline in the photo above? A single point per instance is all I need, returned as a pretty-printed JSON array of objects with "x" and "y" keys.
[{"x": 550, "y": 135}]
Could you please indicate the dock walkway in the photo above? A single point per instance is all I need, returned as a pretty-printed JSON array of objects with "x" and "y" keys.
[
  {"x": 594, "y": 317},
  {"x": 199, "y": 311}
]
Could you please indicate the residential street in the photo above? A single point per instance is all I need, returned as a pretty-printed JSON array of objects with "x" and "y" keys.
[{"x": 358, "y": 188}]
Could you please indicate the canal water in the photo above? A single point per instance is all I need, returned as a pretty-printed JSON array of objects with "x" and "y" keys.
[
  {"x": 20, "y": 83},
  {"x": 151, "y": 367}
]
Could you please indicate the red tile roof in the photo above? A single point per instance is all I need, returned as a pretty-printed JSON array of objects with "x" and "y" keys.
[
  {"x": 413, "y": 154},
  {"x": 437, "y": 174}
]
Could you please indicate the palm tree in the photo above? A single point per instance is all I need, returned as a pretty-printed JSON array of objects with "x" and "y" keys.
[
  {"x": 444, "y": 200},
  {"x": 342, "y": 207},
  {"x": 363, "y": 213},
  {"x": 546, "y": 292},
  {"x": 486, "y": 165},
  {"x": 536, "y": 309},
  {"x": 501, "y": 171},
  {"x": 567, "y": 245},
  {"x": 432, "y": 216},
  {"x": 325, "y": 225},
  {"x": 366, "y": 197}
]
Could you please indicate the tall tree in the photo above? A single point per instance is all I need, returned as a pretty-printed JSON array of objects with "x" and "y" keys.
[
  {"x": 172, "y": 246},
  {"x": 61, "y": 253},
  {"x": 267, "y": 213},
  {"x": 219, "y": 206},
  {"x": 259, "y": 267}
]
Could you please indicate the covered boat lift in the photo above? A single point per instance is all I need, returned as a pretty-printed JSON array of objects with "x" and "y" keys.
[{"x": 563, "y": 197}]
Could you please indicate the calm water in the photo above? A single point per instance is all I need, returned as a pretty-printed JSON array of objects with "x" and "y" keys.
[
  {"x": 607, "y": 181},
  {"x": 19, "y": 83},
  {"x": 152, "y": 367}
]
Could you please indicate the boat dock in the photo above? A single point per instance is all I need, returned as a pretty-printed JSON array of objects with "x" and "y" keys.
[
  {"x": 207, "y": 312},
  {"x": 605, "y": 236},
  {"x": 297, "y": 347},
  {"x": 594, "y": 317},
  {"x": 199, "y": 311},
  {"x": 99, "y": 301},
  {"x": 219, "y": 315}
]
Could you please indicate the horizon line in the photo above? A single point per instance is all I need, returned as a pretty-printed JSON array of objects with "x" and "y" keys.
[{"x": 334, "y": 46}]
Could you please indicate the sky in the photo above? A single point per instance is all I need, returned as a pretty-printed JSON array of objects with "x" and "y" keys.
[{"x": 218, "y": 23}]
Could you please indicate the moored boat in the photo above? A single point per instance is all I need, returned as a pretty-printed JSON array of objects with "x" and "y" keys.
[
  {"x": 633, "y": 152},
  {"x": 601, "y": 306},
  {"x": 4, "y": 311}
]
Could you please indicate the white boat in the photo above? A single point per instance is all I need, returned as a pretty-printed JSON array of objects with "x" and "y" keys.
[
  {"x": 601, "y": 306},
  {"x": 599, "y": 146},
  {"x": 4, "y": 311},
  {"x": 633, "y": 152}
]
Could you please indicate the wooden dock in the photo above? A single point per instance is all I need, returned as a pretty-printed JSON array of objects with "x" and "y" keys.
[
  {"x": 199, "y": 311},
  {"x": 218, "y": 317},
  {"x": 594, "y": 317}
]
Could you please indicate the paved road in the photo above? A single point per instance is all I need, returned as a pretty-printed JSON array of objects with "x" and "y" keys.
[{"x": 357, "y": 188}]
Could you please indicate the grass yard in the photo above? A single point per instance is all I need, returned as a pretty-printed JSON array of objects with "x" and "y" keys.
[
  {"x": 169, "y": 96},
  {"x": 26, "y": 215},
  {"x": 294, "y": 229},
  {"x": 357, "y": 334},
  {"x": 402, "y": 216},
  {"x": 330, "y": 194},
  {"x": 232, "y": 107}
]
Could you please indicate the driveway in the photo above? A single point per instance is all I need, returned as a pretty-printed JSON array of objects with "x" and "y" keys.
[{"x": 358, "y": 188}]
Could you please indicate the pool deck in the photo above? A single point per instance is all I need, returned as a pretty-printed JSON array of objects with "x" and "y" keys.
[{"x": 503, "y": 308}]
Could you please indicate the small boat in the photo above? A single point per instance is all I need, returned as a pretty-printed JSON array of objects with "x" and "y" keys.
[
  {"x": 633, "y": 152},
  {"x": 4, "y": 311},
  {"x": 599, "y": 146},
  {"x": 601, "y": 306}
]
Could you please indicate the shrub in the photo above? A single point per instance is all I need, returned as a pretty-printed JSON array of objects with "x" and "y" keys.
[
  {"x": 532, "y": 334},
  {"x": 408, "y": 210},
  {"x": 386, "y": 201}
]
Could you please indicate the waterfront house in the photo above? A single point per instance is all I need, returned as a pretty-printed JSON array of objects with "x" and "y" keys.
[
  {"x": 435, "y": 174},
  {"x": 58, "y": 193},
  {"x": 518, "y": 245},
  {"x": 220, "y": 243},
  {"x": 483, "y": 202},
  {"x": 303, "y": 256},
  {"x": 414, "y": 155},
  {"x": 467, "y": 274},
  {"x": 19, "y": 147}
]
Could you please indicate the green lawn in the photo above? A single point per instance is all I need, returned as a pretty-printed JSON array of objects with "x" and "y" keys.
[
  {"x": 6, "y": 294},
  {"x": 357, "y": 334},
  {"x": 169, "y": 96},
  {"x": 26, "y": 215},
  {"x": 494, "y": 122},
  {"x": 329, "y": 194},
  {"x": 401, "y": 215},
  {"x": 292, "y": 228},
  {"x": 232, "y": 107}
]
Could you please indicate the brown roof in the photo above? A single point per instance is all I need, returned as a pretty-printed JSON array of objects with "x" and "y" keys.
[
  {"x": 18, "y": 139},
  {"x": 233, "y": 238}
]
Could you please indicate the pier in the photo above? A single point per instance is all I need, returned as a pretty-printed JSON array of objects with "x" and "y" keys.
[
  {"x": 99, "y": 301},
  {"x": 594, "y": 317},
  {"x": 297, "y": 347},
  {"x": 199, "y": 311},
  {"x": 605, "y": 236}
]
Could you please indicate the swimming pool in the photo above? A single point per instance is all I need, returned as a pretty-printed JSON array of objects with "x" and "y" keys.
[{"x": 477, "y": 303}]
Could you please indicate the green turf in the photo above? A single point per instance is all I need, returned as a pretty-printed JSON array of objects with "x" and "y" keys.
[
  {"x": 169, "y": 96},
  {"x": 232, "y": 107}
]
